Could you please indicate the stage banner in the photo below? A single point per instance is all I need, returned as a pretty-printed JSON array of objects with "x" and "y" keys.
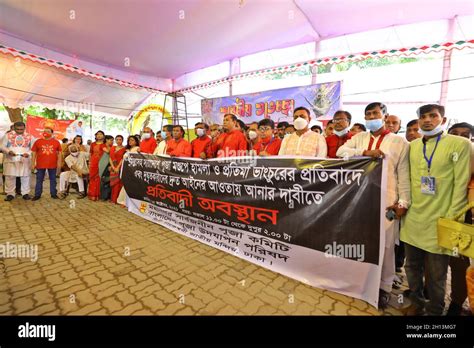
[
  {"x": 317, "y": 221},
  {"x": 36, "y": 124},
  {"x": 323, "y": 100}
]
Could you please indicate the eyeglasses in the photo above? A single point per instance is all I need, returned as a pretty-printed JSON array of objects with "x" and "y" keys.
[
  {"x": 264, "y": 129},
  {"x": 339, "y": 120}
]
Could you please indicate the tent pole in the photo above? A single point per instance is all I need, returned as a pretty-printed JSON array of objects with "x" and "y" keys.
[{"x": 447, "y": 65}]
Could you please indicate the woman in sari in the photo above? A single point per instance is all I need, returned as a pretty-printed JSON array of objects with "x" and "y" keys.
[
  {"x": 116, "y": 158},
  {"x": 133, "y": 146},
  {"x": 104, "y": 169},
  {"x": 96, "y": 152}
]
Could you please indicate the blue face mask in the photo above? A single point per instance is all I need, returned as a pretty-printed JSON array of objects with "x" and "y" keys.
[
  {"x": 163, "y": 135},
  {"x": 374, "y": 125},
  {"x": 438, "y": 129}
]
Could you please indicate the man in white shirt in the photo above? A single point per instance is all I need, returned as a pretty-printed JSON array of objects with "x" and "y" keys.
[
  {"x": 166, "y": 134},
  {"x": 303, "y": 142},
  {"x": 379, "y": 142}
]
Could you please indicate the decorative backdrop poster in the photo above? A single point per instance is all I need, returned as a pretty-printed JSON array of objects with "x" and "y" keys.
[
  {"x": 36, "y": 124},
  {"x": 323, "y": 100}
]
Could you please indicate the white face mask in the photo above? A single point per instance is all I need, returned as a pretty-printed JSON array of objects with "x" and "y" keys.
[
  {"x": 200, "y": 132},
  {"x": 341, "y": 133},
  {"x": 252, "y": 135},
  {"x": 300, "y": 123},
  {"x": 75, "y": 154},
  {"x": 438, "y": 129}
]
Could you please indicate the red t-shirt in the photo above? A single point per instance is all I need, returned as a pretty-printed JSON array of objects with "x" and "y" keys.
[
  {"x": 270, "y": 145},
  {"x": 233, "y": 144},
  {"x": 334, "y": 143},
  {"x": 148, "y": 145},
  {"x": 200, "y": 145},
  {"x": 46, "y": 153},
  {"x": 181, "y": 148}
]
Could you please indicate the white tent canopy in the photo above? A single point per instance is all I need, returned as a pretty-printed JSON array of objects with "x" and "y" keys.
[{"x": 164, "y": 44}]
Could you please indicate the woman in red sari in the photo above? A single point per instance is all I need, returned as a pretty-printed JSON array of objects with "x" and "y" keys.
[
  {"x": 116, "y": 158},
  {"x": 96, "y": 152}
]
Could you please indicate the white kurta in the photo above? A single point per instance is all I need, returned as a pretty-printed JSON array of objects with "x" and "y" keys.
[
  {"x": 80, "y": 161},
  {"x": 19, "y": 144},
  {"x": 161, "y": 148},
  {"x": 396, "y": 150}
]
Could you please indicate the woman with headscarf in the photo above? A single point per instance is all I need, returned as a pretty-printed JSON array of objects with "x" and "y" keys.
[{"x": 96, "y": 152}]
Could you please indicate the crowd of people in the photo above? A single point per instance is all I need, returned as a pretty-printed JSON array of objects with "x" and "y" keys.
[{"x": 429, "y": 176}]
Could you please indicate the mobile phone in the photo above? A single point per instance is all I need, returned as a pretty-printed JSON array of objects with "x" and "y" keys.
[{"x": 390, "y": 215}]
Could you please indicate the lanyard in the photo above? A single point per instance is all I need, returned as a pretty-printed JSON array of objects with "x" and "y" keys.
[
  {"x": 377, "y": 146},
  {"x": 428, "y": 161}
]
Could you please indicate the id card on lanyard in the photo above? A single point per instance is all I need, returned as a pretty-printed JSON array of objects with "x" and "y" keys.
[{"x": 428, "y": 183}]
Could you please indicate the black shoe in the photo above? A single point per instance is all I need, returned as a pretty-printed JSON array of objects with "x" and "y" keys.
[
  {"x": 9, "y": 198},
  {"x": 425, "y": 293},
  {"x": 35, "y": 198},
  {"x": 384, "y": 298},
  {"x": 54, "y": 197},
  {"x": 26, "y": 197},
  {"x": 454, "y": 310}
]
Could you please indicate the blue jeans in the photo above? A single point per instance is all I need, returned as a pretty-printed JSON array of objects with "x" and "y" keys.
[
  {"x": 437, "y": 270},
  {"x": 39, "y": 181}
]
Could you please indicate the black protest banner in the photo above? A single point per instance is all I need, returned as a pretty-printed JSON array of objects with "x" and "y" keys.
[{"x": 286, "y": 214}]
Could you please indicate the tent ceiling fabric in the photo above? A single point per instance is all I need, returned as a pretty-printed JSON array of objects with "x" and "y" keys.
[
  {"x": 172, "y": 37},
  {"x": 28, "y": 83}
]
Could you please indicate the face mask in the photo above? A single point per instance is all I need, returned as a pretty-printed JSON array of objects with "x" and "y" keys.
[
  {"x": 300, "y": 123},
  {"x": 46, "y": 135},
  {"x": 374, "y": 125},
  {"x": 163, "y": 135},
  {"x": 438, "y": 129},
  {"x": 75, "y": 154},
  {"x": 200, "y": 132},
  {"x": 341, "y": 133},
  {"x": 252, "y": 135},
  {"x": 146, "y": 136}
]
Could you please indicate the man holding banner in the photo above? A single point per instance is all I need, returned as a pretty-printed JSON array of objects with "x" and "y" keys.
[
  {"x": 380, "y": 143},
  {"x": 303, "y": 142}
]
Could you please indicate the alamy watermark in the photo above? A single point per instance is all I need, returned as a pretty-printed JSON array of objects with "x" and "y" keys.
[
  {"x": 21, "y": 251},
  {"x": 85, "y": 108},
  {"x": 347, "y": 251}
]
